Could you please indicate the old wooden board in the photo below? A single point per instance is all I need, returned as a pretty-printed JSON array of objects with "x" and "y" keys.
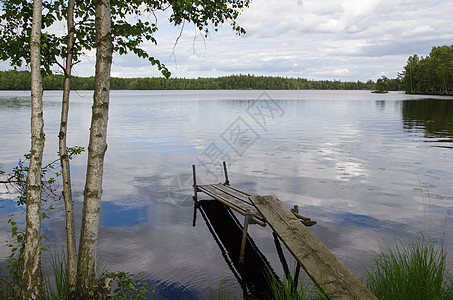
[
  {"x": 321, "y": 265},
  {"x": 240, "y": 195},
  {"x": 237, "y": 203}
]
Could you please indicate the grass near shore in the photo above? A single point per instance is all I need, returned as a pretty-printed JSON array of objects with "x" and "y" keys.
[
  {"x": 416, "y": 270},
  {"x": 288, "y": 290},
  {"x": 411, "y": 271}
]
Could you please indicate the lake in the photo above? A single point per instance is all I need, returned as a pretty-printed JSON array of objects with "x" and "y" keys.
[{"x": 371, "y": 169}]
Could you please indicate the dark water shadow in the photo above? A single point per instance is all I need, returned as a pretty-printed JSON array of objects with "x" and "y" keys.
[{"x": 253, "y": 273}]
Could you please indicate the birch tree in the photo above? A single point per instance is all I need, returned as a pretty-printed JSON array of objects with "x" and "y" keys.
[
  {"x": 32, "y": 277},
  {"x": 115, "y": 31},
  {"x": 201, "y": 13},
  {"x": 86, "y": 265},
  {"x": 71, "y": 252}
]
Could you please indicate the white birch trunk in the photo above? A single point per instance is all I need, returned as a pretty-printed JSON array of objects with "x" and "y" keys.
[
  {"x": 71, "y": 253},
  {"x": 86, "y": 264},
  {"x": 32, "y": 277}
]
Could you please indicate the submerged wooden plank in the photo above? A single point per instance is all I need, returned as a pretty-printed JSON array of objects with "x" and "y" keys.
[
  {"x": 233, "y": 202},
  {"x": 321, "y": 265}
]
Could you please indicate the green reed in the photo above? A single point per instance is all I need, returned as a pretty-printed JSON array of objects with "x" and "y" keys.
[{"x": 414, "y": 271}]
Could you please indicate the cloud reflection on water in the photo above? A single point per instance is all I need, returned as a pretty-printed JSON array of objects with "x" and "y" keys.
[{"x": 353, "y": 164}]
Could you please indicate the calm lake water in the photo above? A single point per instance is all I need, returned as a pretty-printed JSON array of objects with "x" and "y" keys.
[{"x": 371, "y": 169}]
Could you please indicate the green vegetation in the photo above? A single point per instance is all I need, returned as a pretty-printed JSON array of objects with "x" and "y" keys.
[
  {"x": 380, "y": 86},
  {"x": 223, "y": 294},
  {"x": 417, "y": 270},
  {"x": 414, "y": 271},
  {"x": 290, "y": 289},
  {"x": 384, "y": 84},
  {"x": 110, "y": 285},
  {"x": 432, "y": 74},
  {"x": 61, "y": 287},
  {"x": 20, "y": 80}
]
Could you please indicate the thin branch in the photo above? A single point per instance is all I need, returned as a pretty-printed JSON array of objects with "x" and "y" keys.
[
  {"x": 164, "y": 9},
  {"x": 203, "y": 38},
  {"x": 8, "y": 181},
  {"x": 200, "y": 32},
  {"x": 60, "y": 65},
  {"x": 193, "y": 42},
  {"x": 173, "y": 53},
  {"x": 154, "y": 14}
]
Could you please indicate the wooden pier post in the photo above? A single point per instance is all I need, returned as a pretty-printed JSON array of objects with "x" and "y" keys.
[
  {"x": 227, "y": 182},
  {"x": 195, "y": 196},
  {"x": 281, "y": 256},
  {"x": 195, "y": 188},
  {"x": 244, "y": 236}
]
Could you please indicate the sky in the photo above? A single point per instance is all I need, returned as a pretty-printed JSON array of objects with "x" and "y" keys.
[{"x": 344, "y": 40}]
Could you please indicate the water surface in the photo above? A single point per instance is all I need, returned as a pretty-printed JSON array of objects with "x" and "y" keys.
[{"x": 371, "y": 169}]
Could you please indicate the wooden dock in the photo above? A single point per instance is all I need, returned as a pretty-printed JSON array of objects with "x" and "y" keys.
[
  {"x": 326, "y": 271},
  {"x": 335, "y": 280},
  {"x": 233, "y": 198}
]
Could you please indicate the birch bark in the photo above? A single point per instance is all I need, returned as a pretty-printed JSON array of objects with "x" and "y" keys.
[
  {"x": 86, "y": 263},
  {"x": 32, "y": 276},
  {"x": 71, "y": 253}
]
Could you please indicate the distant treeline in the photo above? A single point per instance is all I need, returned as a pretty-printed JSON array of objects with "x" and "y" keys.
[
  {"x": 20, "y": 80},
  {"x": 432, "y": 74}
]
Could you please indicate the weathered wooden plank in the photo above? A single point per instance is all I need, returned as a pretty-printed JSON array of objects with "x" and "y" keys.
[
  {"x": 233, "y": 192},
  {"x": 238, "y": 200},
  {"x": 321, "y": 265},
  {"x": 232, "y": 199},
  {"x": 242, "y": 192},
  {"x": 236, "y": 204}
]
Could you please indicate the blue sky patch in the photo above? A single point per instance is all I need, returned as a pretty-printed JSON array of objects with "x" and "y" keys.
[{"x": 357, "y": 220}]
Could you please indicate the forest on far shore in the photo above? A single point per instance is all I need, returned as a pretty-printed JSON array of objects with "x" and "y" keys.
[
  {"x": 20, "y": 80},
  {"x": 432, "y": 74}
]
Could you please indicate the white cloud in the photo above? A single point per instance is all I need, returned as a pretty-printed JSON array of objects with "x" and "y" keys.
[{"x": 329, "y": 39}]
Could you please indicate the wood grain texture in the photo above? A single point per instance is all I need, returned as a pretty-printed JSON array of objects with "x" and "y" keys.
[{"x": 321, "y": 265}]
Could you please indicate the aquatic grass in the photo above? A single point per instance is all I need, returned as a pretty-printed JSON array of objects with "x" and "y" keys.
[
  {"x": 60, "y": 288},
  {"x": 414, "y": 271},
  {"x": 290, "y": 289},
  {"x": 122, "y": 285},
  {"x": 286, "y": 289},
  {"x": 222, "y": 293}
]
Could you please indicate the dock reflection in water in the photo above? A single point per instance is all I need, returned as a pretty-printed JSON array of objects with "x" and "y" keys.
[{"x": 227, "y": 231}]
